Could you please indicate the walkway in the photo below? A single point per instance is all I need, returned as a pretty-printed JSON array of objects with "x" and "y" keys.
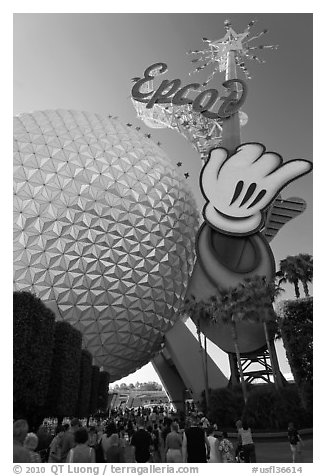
[{"x": 272, "y": 451}]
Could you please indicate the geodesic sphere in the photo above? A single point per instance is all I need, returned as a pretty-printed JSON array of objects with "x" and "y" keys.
[{"x": 105, "y": 227}]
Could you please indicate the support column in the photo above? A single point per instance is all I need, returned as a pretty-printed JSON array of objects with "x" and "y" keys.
[
  {"x": 281, "y": 381},
  {"x": 184, "y": 350},
  {"x": 171, "y": 379}
]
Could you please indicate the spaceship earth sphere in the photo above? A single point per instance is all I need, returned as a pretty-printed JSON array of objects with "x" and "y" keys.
[{"x": 105, "y": 227}]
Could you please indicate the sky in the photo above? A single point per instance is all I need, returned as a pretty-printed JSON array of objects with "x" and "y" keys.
[{"x": 85, "y": 61}]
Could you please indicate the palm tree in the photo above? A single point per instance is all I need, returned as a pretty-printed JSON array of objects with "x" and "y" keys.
[
  {"x": 225, "y": 308},
  {"x": 297, "y": 268},
  {"x": 306, "y": 270},
  {"x": 290, "y": 272},
  {"x": 228, "y": 308},
  {"x": 251, "y": 301},
  {"x": 197, "y": 310},
  {"x": 258, "y": 296}
]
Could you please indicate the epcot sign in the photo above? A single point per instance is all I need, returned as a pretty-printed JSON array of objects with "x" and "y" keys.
[{"x": 172, "y": 92}]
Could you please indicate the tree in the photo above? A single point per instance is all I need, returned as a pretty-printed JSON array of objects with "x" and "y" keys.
[
  {"x": 296, "y": 323},
  {"x": 251, "y": 300},
  {"x": 198, "y": 310},
  {"x": 33, "y": 342},
  {"x": 94, "y": 390},
  {"x": 306, "y": 271},
  {"x": 151, "y": 386},
  {"x": 257, "y": 296},
  {"x": 103, "y": 391},
  {"x": 297, "y": 268},
  {"x": 65, "y": 373},
  {"x": 228, "y": 308},
  {"x": 85, "y": 384}
]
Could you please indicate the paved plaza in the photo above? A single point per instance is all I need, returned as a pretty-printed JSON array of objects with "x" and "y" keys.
[
  {"x": 270, "y": 451},
  {"x": 274, "y": 451}
]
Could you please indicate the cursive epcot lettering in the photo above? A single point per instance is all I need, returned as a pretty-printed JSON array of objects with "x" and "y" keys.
[{"x": 171, "y": 92}]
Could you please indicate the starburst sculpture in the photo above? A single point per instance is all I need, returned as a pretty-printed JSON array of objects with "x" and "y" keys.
[
  {"x": 201, "y": 132},
  {"x": 217, "y": 51}
]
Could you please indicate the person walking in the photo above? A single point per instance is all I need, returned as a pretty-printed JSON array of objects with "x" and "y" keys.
[
  {"x": 214, "y": 456},
  {"x": 204, "y": 422},
  {"x": 173, "y": 445},
  {"x": 81, "y": 452},
  {"x": 156, "y": 435},
  {"x": 92, "y": 437},
  {"x": 30, "y": 443},
  {"x": 141, "y": 442},
  {"x": 68, "y": 440},
  {"x": 226, "y": 449},
  {"x": 44, "y": 437},
  {"x": 295, "y": 442},
  {"x": 20, "y": 430},
  {"x": 56, "y": 445},
  {"x": 114, "y": 446},
  {"x": 247, "y": 444},
  {"x": 130, "y": 429},
  {"x": 195, "y": 445}
]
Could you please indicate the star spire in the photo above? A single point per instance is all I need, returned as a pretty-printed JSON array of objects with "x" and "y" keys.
[{"x": 217, "y": 52}]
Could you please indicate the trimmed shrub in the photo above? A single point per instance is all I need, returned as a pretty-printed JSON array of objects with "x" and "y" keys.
[
  {"x": 85, "y": 384},
  {"x": 64, "y": 386},
  {"x": 94, "y": 390},
  {"x": 33, "y": 341},
  {"x": 268, "y": 408},
  {"x": 225, "y": 406},
  {"x": 295, "y": 320},
  {"x": 103, "y": 389}
]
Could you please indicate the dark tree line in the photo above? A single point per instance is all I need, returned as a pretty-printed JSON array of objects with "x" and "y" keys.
[
  {"x": 52, "y": 374},
  {"x": 295, "y": 320}
]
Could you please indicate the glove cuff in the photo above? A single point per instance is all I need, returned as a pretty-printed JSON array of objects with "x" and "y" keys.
[{"x": 232, "y": 225}]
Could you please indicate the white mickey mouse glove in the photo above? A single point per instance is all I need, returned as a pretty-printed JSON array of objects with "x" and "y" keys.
[{"x": 239, "y": 188}]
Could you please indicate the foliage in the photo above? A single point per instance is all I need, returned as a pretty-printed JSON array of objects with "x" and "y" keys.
[
  {"x": 296, "y": 325},
  {"x": 94, "y": 390},
  {"x": 306, "y": 271},
  {"x": 146, "y": 386},
  {"x": 266, "y": 408},
  {"x": 33, "y": 338},
  {"x": 64, "y": 386},
  {"x": 225, "y": 406},
  {"x": 103, "y": 391},
  {"x": 297, "y": 268},
  {"x": 85, "y": 384},
  {"x": 250, "y": 300}
]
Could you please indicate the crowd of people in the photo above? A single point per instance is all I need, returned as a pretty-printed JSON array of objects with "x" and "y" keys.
[{"x": 138, "y": 435}]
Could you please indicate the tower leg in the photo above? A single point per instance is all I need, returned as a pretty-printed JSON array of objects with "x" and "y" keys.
[
  {"x": 183, "y": 350},
  {"x": 171, "y": 379},
  {"x": 257, "y": 366},
  {"x": 280, "y": 379}
]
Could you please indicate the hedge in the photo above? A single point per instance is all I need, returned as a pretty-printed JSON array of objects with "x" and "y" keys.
[
  {"x": 295, "y": 319},
  {"x": 94, "y": 390},
  {"x": 103, "y": 389},
  {"x": 269, "y": 408},
  {"x": 65, "y": 373},
  {"x": 225, "y": 406},
  {"x": 266, "y": 408},
  {"x": 85, "y": 384},
  {"x": 33, "y": 342}
]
